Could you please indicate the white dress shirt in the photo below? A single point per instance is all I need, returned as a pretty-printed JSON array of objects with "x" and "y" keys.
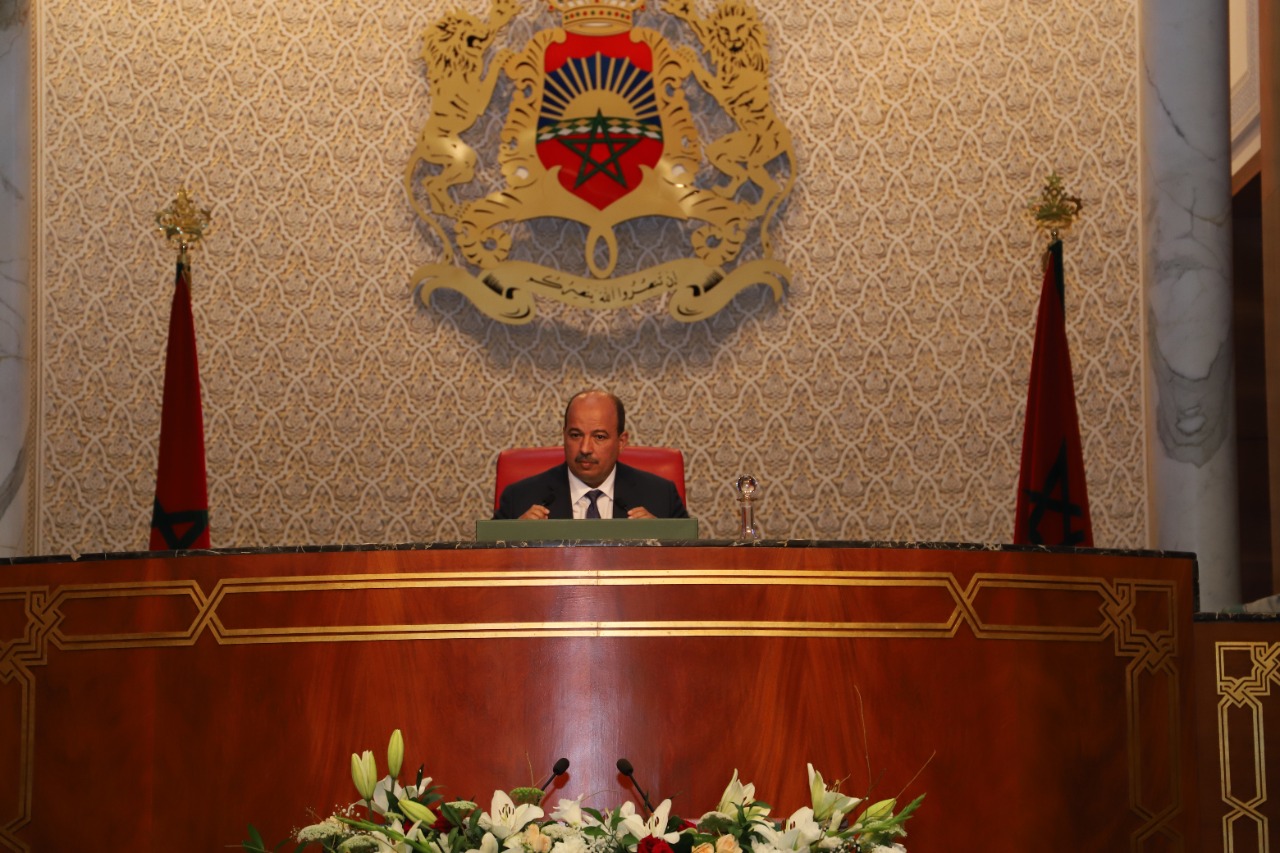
[{"x": 578, "y": 495}]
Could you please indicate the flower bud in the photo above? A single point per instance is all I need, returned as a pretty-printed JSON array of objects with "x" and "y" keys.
[
  {"x": 364, "y": 772},
  {"x": 395, "y": 754},
  {"x": 879, "y": 811},
  {"x": 416, "y": 811}
]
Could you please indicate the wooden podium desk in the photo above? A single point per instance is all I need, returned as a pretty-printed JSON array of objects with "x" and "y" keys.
[{"x": 163, "y": 701}]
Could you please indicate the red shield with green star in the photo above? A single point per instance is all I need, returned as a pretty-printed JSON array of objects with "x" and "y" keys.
[{"x": 600, "y": 149}]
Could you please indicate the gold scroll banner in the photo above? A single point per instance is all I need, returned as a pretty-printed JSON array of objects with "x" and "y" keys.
[{"x": 506, "y": 291}]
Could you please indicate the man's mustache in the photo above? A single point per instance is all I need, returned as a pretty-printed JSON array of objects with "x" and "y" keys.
[{"x": 584, "y": 457}]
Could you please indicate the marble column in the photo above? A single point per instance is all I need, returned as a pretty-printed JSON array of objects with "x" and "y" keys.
[
  {"x": 1186, "y": 218},
  {"x": 15, "y": 147}
]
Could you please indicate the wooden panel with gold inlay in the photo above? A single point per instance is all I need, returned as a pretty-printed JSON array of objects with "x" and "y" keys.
[{"x": 1043, "y": 699}]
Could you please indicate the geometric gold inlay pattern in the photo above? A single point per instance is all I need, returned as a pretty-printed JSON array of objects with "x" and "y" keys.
[
  {"x": 1124, "y": 613},
  {"x": 1246, "y": 673}
]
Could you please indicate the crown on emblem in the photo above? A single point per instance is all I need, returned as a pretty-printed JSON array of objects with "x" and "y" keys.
[{"x": 597, "y": 16}]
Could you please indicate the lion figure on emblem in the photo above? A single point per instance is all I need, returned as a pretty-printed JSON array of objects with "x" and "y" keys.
[
  {"x": 734, "y": 40},
  {"x": 453, "y": 49}
]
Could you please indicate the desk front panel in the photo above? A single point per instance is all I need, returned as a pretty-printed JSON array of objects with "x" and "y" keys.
[{"x": 1042, "y": 700}]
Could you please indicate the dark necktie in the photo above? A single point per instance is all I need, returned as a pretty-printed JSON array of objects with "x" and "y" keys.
[{"x": 593, "y": 511}]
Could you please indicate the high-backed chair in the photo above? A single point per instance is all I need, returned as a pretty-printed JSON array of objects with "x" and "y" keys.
[{"x": 520, "y": 462}]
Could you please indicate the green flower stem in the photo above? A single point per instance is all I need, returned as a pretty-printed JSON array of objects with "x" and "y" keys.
[{"x": 369, "y": 826}]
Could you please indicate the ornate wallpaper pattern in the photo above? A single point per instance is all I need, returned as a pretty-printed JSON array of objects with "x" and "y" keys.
[{"x": 883, "y": 400}]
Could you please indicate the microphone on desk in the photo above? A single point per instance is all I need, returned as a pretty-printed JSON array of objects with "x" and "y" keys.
[
  {"x": 625, "y": 768},
  {"x": 558, "y": 770}
]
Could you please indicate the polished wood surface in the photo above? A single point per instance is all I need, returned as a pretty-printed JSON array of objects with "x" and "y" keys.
[
  {"x": 1042, "y": 700},
  {"x": 1237, "y": 674}
]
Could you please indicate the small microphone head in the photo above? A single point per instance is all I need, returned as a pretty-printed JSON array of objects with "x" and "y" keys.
[
  {"x": 625, "y": 768},
  {"x": 556, "y": 771}
]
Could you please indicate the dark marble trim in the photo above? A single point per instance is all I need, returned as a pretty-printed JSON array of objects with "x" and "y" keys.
[{"x": 1238, "y": 617}]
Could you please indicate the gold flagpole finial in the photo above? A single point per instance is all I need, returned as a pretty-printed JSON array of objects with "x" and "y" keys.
[
  {"x": 182, "y": 223},
  {"x": 1054, "y": 211}
]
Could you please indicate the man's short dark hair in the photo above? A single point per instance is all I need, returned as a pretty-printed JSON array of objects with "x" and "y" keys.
[{"x": 617, "y": 403}]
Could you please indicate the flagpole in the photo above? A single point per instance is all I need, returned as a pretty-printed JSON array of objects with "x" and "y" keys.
[
  {"x": 1052, "y": 498},
  {"x": 180, "y": 514}
]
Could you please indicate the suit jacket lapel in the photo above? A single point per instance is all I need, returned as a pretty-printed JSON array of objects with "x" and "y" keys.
[
  {"x": 621, "y": 490},
  {"x": 560, "y": 506}
]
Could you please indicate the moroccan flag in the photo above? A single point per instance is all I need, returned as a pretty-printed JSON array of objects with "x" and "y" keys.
[
  {"x": 180, "y": 518},
  {"x": 1053, "y": 507}
]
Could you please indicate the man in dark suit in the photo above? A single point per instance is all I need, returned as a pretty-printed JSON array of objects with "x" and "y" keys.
[{"x": 592, "y": 483}]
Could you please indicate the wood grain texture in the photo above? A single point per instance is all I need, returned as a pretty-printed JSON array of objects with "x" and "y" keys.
[{"x": 1046, "y": 696}]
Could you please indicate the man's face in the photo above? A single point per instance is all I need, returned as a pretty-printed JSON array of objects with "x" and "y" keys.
[{"x": 591, "y": 438}]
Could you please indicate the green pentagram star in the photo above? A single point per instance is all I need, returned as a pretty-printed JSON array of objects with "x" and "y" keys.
[{"x": 598, "y": 134}]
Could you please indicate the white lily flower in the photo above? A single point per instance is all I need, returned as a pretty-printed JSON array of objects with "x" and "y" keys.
[
  {"x": 631, "y": 823},
  {"x": 505, "y": 818},
  {"x": 389, "y": 791},
  {"x": 798, "y": 833},
  {"x": 828, "y": 806},
  {"x": 738, "y": 794},
  {"x": 386, "y": 792},
  {"x": 387, "y": 843},
  {"x": 801, "y": 830},
  {"x": 569, "y": 812},
  {"x": 769, "y": 833},
  {"x": 656, "y": 825}
]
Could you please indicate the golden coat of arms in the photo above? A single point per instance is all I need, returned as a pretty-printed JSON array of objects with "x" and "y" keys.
[{"x": 600, "y": 132}]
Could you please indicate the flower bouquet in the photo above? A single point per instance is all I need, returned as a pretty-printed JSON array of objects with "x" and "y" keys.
[{"x": 402, "y": 819}]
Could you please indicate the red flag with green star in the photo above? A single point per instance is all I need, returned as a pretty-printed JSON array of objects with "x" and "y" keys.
[
  {"x": 601, "y": 158},
  {"x": 180, "y": 516},
  {"x": 1053, "y": 504}
]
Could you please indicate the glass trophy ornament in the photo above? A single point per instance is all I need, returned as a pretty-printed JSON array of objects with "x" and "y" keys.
[{"x": 748, "y": 492}]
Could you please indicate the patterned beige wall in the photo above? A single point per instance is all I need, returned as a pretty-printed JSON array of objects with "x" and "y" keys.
[{"x": 883, "y": 400}]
